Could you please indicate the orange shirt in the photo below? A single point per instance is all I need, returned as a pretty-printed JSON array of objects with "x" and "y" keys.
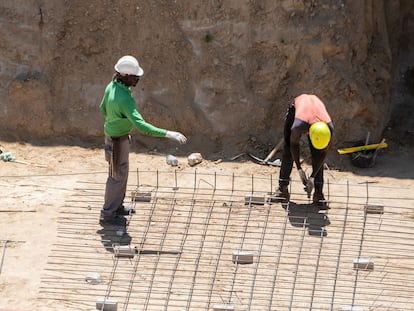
[{"x": 310, "y": 109}]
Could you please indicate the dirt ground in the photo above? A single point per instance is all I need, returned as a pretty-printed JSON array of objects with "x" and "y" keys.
[{"x": 33, "y": 191}]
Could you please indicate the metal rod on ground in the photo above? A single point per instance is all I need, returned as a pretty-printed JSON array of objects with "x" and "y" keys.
[
  {"x": 298, "y": 255},
  {"x": 163, "y": 239},
  {"x": 279, "y": 256},
  {"x": 237, "y": 156},
  {"x": 28, "y": 163},
  {"x": 262, "y": 239},
  {"x": 110, "y": 281},
  {"x": 198, "y": 259},
  {"x": 4, "y": 250},
  {"x": 241, "y": 246},
  {"x": 360, "y": 250},
  {"x": 19, "y": 211},
  {"x": 271, "y": 183},
  {"x": 2, "y": 256},
  {"x": 316, "y": 269},
  {"x": 341, "y": 243},
  {"x": 221, "y": 242},
  {"x": 329, "y": 170}
]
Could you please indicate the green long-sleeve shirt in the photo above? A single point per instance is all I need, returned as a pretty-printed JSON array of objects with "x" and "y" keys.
[{"x": 121, "y": 114}]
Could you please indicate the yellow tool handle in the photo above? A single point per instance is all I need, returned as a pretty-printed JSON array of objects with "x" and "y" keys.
[{"x": 362, "y": 148}]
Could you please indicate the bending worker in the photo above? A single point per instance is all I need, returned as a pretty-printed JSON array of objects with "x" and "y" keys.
[
  {"x": 306, "y": 116},
  {"x": 121, "y": 115}
]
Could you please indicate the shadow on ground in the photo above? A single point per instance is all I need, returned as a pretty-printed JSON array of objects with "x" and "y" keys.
[
  {"x": 113, "y": 235},
  {"x": 308, "y": 216}
]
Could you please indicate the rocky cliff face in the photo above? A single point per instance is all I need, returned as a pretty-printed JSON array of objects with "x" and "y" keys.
[{"x": 222, "y": 72}]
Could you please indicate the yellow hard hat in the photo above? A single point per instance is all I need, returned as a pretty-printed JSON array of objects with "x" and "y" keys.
[{"x": 320, "y": 135}]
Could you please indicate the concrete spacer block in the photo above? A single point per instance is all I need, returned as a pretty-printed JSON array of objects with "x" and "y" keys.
[
  {"x": 140, "y": 196},
  {"x": 93, "y": 278},
  {"x": 242, "y": 257},
  {"x": 223, "y": 307},
  {"x": 364, "y": 263},
  {"x": 124, "y": 250},
  {"x": 108, "y": 305},
  {"x": 258, "y": 199},
  {"x": 374, "y": 208}
]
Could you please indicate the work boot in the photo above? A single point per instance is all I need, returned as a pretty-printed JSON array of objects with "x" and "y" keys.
[
  {"x": 319, "y": 200},
  {"x": 282, "y": 194},
  {"x": 124, "y": 211},
  {"x": 116, "y": 221}
]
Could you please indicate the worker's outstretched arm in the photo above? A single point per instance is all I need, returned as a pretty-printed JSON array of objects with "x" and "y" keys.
[
  {"x": 294, "y": 146},
  {"x": 318, "y": 158},
  {"x": 295, "y": 151}
]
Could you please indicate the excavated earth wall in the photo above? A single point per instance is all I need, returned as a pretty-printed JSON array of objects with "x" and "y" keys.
[{"x": 222, "y": 72}]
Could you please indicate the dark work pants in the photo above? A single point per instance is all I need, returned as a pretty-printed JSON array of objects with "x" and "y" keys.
[
  {"x": 287, "y": 160},
  {"x": 117, "y": 155}
]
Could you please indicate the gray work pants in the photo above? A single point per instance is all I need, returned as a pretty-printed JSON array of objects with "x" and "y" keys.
[{"x": 117, "y": 155}]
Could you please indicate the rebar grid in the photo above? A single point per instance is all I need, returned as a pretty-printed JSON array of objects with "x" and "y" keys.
[{"x": 187, "y": 234}]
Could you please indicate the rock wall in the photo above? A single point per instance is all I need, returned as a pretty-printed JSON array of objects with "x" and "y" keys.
[{"x": 222, "y": 71}]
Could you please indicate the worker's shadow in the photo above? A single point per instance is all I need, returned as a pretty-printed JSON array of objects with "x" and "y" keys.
[
  {"x": 110, "y": 235},
  {"x": 309, "y": 216}
]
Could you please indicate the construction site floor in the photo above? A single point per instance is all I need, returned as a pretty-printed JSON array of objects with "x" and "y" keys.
[{"x": 209, "y": 237}]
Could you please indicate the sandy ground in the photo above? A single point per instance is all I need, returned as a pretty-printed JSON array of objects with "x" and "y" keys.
[{"x": 33, "y": 191}]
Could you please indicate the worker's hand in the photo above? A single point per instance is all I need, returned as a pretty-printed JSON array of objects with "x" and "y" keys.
[
  {"x": 176, "y": 136},
  {"x": 310, "y": 185},
  {"x": 303, "y": 177}
]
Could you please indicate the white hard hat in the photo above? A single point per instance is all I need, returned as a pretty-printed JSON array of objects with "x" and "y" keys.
[{"x": 128, "y": 65}]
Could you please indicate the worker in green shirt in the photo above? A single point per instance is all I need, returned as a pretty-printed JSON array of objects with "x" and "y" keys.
[{"x": 121, "y": 115}]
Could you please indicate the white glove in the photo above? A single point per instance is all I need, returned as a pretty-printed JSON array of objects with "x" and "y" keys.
[
  {"x": 176, "y": 136},
  {"x": 303, "y": 177}
]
